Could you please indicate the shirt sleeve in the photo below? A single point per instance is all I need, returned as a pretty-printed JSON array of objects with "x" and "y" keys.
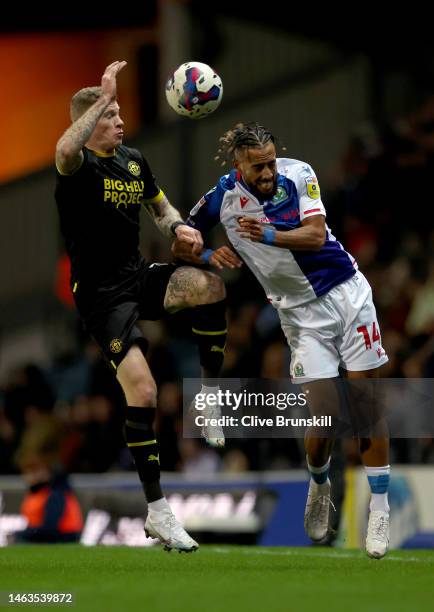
[
  {"x": 309, "y": 193},
  {"x": 78, "y": 170},
  {"x": 206, "y": 213}
]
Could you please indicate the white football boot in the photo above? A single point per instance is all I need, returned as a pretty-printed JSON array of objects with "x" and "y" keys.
[
  {"x": 316, "y": 513},
  {"x": 377, "y": 537},
  {"x": 213, "y": 434},
  {"x": 164, "y": 526}
]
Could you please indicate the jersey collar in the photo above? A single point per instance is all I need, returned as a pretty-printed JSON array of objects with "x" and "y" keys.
[{"x": 102, "y": 153}]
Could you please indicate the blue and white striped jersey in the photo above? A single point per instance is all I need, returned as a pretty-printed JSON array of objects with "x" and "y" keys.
[{"x": 289, "y": 278}]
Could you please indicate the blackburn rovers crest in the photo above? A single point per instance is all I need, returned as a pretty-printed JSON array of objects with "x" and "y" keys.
[
  {"x": 298, "y": 369},
  {"x": 280, "y": 196}
]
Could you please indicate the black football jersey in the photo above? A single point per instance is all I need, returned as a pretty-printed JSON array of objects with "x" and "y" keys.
[{"x": 99, "y": 207}]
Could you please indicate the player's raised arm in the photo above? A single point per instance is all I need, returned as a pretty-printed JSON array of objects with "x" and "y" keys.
[{"x": 69, "y": 154}]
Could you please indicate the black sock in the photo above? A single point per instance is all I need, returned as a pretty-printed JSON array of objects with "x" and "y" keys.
[
  {"x": 210, "y": 333},
  {"x": 141, "y": 441}
]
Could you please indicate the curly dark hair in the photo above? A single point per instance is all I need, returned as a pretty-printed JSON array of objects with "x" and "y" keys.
[{"x": 242, "y": 136}]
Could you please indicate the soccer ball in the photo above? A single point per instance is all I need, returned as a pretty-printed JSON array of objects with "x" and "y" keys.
[{"x": 194, "y": 90}]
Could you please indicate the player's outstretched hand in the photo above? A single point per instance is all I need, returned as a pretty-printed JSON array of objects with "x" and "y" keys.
[
  {"x": 185, "y": 233},
  {"x": 108, "y": 79},
  {"x": 224, "y": 257},
  {"x": 251, "y": 229}
]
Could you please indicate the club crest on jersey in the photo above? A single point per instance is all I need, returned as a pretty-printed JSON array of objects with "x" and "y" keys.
[
  {"x": 116, "y": 345},
  {"x": 280, "y": 196},
  {"x": 298, "y": 369},
  {"x": 243, "y": 201},
  {"x": 134, "y": 168},
  {"x": 313, "y": 188}
]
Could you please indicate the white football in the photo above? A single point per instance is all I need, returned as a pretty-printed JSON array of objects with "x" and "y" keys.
[{"x": 194, "y": 90}]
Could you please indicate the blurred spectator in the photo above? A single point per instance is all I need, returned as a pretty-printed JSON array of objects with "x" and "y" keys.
[
  {"x": 27, "y": 386},
  {"x": 8, "y": 442},
  {"x": 197, "y": 459},
  {"x": 235, "y": 461},
  {"x": 50, "y": 506}
]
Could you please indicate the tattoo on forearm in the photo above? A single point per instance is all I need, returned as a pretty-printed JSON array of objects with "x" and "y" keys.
[{"x": 163, "y": 215}]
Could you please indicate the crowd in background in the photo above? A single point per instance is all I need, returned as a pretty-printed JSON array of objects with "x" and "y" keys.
[{"x": 379, "y": 208}]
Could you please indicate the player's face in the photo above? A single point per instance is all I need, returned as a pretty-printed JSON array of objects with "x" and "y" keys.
[
  {"x": 109, "y": 130},
  {"x": 257, "y": 167}
]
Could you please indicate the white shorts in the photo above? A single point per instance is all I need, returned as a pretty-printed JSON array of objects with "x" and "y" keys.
[{"x": 339, "y": 329}]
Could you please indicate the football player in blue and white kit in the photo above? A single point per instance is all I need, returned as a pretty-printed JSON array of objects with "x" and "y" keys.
[{"x": 274, "y": 218}]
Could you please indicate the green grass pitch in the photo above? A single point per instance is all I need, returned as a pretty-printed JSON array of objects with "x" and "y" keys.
[{"x": 230, "y": 578}]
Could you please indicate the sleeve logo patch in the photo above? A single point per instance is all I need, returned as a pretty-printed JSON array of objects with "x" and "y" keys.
[
  {"x": 197, "y": 207},
  {"x": 313, "y": 188},
  {"x": 134, "y": 168}
]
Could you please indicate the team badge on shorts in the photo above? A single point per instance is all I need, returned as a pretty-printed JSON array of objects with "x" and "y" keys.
[
  {"x": 134, "y": 168},
  {"x": 298, "y": 369},
  {"x": 313, "y": 188},
  {"x": 116, "y": 345}
]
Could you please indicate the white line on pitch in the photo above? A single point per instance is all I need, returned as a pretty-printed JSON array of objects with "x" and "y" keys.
[{"x": 294, "y": 553}]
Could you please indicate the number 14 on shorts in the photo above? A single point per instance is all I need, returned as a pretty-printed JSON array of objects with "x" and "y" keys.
[{"x": 375, "y": 334}]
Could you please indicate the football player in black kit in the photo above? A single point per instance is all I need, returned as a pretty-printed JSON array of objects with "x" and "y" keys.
[{"x": 101, "y": 187}]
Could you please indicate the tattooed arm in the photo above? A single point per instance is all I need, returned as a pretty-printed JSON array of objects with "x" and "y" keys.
[
  {"x": 69, "y": 154},
  {"x": 169, "y": 222}
]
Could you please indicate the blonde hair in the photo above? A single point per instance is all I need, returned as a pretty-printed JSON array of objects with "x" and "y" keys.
[{"x": 82, "y": 100}]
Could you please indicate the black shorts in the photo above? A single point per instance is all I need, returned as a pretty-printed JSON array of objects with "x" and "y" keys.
[{"x": 110, "y": 314}]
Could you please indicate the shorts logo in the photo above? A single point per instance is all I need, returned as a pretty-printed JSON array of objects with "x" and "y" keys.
[
  {"x": 134, "y": 168},
  {"x": 298, "y": 369},
  {"x": 313, "y": 190},
  {"x": 280, "y": 196},
  {"x": 154, "y": 458},
  {"x": 116, "y": 345}
]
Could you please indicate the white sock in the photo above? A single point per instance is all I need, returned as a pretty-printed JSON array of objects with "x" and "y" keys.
[
  {"x": 318, "y": 473},
  {"x": 379, "y": 501},
  {"x": 378, "y": 479},
  {"x": 158, "y": 505}
]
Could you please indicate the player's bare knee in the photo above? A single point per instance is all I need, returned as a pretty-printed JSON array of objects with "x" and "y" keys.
[
  {"x": 143, "y": 395},
  {"x": 139, "y": 390}
]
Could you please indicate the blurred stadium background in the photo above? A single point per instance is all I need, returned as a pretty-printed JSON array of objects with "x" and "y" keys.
[{"x": 359, "y": 110}]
